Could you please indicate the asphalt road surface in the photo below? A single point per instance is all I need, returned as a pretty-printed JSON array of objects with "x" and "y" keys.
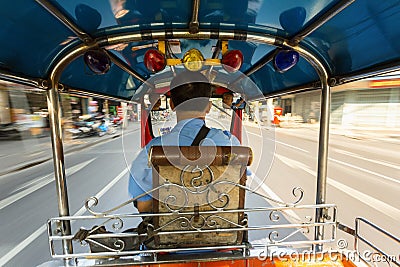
[{"x": 363, "y": 180}]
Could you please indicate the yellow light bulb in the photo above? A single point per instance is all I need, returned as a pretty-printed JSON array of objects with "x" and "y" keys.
[{"x": 193, "y": 60}]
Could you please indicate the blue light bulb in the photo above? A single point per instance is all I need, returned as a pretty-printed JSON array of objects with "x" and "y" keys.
[
  {"x": 285, "y": 60},
  {"x": 97, "y": 61}
]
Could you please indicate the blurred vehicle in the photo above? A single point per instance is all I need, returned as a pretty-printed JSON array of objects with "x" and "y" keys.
[
  {"x": 106, "y": 127},
  {"x": 116, "y": 120},
  {"x": 10, "y": 131},
  {"x": 86, "y": 126}
]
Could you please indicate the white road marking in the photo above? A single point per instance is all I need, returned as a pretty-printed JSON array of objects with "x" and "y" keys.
[
  {"x": 364, "y": 198},
  {"x": 40, "y": 182},
  {"x": 7, "y": 155},
  {"x": 258, "y": 135},
  {"x": 367, "y": 171},
  {"x": 278, "y": 142},
  {"x": 17, "y": 249},
  {"x": 34, "y": 154},
  {"x": 291, "y": 162},
  {"x": 104, "y": 190},
  {"x": 30, "y": 183},
  {"x": 387, "y": 164},
  {"x": 294, "y": 147},
  {"x": 368, "y": 200},
  {"x": 348, "y": 164}
]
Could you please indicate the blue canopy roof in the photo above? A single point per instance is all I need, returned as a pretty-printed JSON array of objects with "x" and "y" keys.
[{"x": 351, "y": 38}]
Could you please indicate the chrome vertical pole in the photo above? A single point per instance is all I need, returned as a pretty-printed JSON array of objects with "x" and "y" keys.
[
  {"x": 53, "y": 104},
  {"x": 323, "y": 142},
  {"x": 322, "y": 165},
  {"x": 194, "y": 23}
]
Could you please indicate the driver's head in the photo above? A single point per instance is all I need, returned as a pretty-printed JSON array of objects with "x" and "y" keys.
[
  {"x": 190, "y": 91},
  {"x": 227, "y": 99}
]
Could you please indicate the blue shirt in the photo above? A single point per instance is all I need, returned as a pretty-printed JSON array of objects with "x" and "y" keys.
[{"x": 183, "y": 134}]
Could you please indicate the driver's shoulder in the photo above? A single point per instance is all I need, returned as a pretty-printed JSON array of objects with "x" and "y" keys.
[
  {"x": 223, "y": 137},
  {"x": 219, "y": 133}
]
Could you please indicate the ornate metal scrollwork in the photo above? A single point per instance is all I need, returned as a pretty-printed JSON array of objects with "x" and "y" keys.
[
  {"x": 201, "y": 184},
  {"x": 274, "y": 235},
  {"x": 118, "y": 245},
  {"x": 183, "y": 222},
  {"x": 300, "y": 192},
  {"x": 116, "y": 223},
  {"x": 171, "y": 200},
  {"x": 212, "y": 221},
  {"x": 275, "y": 216},
  {"x": 222, "y": 199},
  {"x": 200, "y": 222},
  {"x": 198, "y": 184},
  {"x": 91, "y": 202},
  {"x": 97, "y": 241}
]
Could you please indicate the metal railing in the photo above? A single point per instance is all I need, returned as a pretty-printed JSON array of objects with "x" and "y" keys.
[{"x": 282, "y": 225}]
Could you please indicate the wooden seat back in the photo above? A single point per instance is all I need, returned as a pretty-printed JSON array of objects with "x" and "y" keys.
[{"x": 198, "y": 187}]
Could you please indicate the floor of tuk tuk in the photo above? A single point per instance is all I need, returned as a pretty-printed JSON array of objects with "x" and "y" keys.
[{"x": 217, "y": 260}]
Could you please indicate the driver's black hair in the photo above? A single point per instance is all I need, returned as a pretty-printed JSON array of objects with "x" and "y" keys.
[{"x": 193, "y": 86}]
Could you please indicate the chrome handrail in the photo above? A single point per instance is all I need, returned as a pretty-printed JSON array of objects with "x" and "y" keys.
[{"x": 359, "y": 237}]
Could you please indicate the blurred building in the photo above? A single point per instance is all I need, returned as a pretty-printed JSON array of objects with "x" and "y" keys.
[
  {"x": 366, "y": 103},
  {"x": 24, "y": 110}
]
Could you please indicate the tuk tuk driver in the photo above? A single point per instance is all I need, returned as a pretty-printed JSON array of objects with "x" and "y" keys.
[
  {"x": 190, "y": 99},
  {"x": 227, "y": 101}
]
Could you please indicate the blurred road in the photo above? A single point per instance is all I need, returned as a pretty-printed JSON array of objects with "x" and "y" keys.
[
  {"x": 20, "y": 154},
  {"x": 363, "y": 175},
  {"x": 28, "y": 196},
  {"x": 364, "y": 180}
]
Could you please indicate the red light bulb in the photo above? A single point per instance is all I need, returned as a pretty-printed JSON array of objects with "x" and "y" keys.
[
  {"x": 154, "y": 60},
  {"x": 232, "y": 60}
]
